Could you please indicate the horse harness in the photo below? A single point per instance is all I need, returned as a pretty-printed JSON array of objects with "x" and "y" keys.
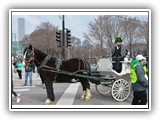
[
  {"x": 58, "y": 63},
  {"x": 28, "y": 61},
  {"x": 86, "y": 65},
  {"x": 44, "y": 61}
]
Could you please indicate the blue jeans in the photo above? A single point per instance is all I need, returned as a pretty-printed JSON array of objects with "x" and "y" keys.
[{"x": 28, "y": 74}]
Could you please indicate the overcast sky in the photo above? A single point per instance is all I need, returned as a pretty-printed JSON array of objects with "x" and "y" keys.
[{"x": 76, "y": 23}]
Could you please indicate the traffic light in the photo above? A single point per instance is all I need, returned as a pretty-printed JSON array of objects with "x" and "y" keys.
[
  {"x": 68, "y": 37},
  {"x": 58, "y": 38}
]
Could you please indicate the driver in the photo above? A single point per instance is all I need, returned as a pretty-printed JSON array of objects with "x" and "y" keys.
[{"x": 119, "y": 51}]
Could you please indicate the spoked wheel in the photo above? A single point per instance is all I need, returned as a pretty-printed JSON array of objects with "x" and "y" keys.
[
  {"x": 106, "y": 85},
  {"x": 103, "y": 89},
  {"x": 120, "y": 90}
]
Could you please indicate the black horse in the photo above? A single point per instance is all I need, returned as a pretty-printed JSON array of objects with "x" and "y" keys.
[{"x": 48, "y": 75}]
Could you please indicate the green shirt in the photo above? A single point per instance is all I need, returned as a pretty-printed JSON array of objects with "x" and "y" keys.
[{"x": 19, "y": 65}]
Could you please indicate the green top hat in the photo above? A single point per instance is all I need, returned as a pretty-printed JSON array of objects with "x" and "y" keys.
[{"x": 118, "y": 39}]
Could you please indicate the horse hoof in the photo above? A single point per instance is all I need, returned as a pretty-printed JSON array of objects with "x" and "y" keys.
[
  {"x": 48, "y": 102},
  {"x": 86, "y": 98},
  {"x": 88, "y": 95},
  {"x": 82, "y": 97}
]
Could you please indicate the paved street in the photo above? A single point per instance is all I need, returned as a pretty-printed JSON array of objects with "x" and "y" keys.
[{"x": 65, "y": 94}]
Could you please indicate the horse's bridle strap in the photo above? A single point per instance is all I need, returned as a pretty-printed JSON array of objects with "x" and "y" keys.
[{"x": 45, "y": 60}]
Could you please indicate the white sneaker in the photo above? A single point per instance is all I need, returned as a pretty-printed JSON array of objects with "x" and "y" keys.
[{"x": 18, "y": 99}]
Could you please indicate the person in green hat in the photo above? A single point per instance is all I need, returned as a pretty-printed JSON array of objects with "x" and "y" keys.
[{"x": 119, "y": 51}]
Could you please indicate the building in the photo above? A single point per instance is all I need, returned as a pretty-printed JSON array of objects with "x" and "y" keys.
[
  {"x": 85, "y": 43},
  {"x": 21, "y": 28}
]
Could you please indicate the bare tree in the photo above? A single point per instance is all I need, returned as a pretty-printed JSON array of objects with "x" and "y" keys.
[
  {"x": 105, "y": 28},
  {"x": 113, "y": 27},
  {"x": 144, "y": 32},
  {"x": 75, "y": 49},
  {"x": 131, "y": 29},
  {"x": 95, "y": 33},
  {"x": 75, "y": 42},
  {"x": 44, "y": 37},
  {"x": 25, "y": 41}
]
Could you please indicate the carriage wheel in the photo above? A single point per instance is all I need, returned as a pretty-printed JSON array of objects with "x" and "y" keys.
[
  {"x": 103, "y": 88},
  {"x": 120, "y": 90}
]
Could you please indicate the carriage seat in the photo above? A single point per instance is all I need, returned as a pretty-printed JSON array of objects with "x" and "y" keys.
[
  {"x": 125, "y": 68},
  {"x": 105, "y": 64}
]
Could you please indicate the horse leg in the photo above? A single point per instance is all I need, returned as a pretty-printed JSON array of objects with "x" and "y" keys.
[
  {"x": 83, "y": 95},
  {"x": 84, "y": 89},
  {"x": 50, "y": 93},
  {"x": 86, "y": 95}
]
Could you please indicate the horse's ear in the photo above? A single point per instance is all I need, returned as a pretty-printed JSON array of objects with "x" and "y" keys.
[{"x": 30, "y": 47}]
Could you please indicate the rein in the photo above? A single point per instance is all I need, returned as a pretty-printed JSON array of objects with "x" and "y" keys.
[
  {"x": 84, "y": 70},
  {"x": 42, "y": 64},
  {"x": 44, "y": 61},
  {"x": 28, "y": 60},
  {"x": 57, "y": 70}
]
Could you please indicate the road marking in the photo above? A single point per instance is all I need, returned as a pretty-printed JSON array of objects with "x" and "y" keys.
[
  {"x": 20, "y": 90},
  {"x": 69, "y": 95},
  {"x": 23, "y": 86}
]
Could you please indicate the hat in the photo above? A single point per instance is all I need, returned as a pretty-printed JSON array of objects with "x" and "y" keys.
[
  {"x": 118, "y": 39},
  {"x": 140, "y": 57}
]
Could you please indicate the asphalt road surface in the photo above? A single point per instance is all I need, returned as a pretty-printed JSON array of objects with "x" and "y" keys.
[{"x": 65, "y": 94}]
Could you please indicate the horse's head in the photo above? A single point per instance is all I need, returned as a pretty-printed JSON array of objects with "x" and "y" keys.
[
  {"x": 37, "y": 55},
  {"x": 28, "y": 54}
]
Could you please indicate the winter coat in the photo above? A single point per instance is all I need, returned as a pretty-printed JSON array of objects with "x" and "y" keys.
[
  {"x": 141, "y": 83},
  {"x": 123, "y": 50}
]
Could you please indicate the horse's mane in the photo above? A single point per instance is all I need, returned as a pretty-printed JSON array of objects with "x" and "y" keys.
[{"x": 41, "y": 54}]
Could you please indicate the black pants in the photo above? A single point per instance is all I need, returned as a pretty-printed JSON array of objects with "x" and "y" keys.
[
  {"x": 117, "y": 66},
  {"x": 19, "y": 74},
  {"x": 13, "y": 92},
  {"x": 139, "y": 98}
]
